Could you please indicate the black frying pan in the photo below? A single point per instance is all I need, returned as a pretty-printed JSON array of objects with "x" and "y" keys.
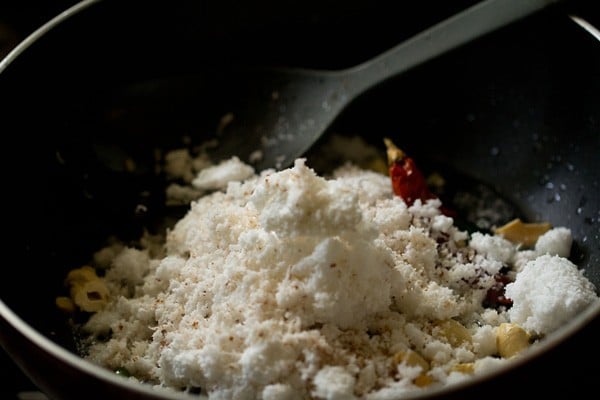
[{"x": 513, "y": 117}]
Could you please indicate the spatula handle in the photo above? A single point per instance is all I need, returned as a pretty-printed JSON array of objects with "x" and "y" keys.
[{"x": 468, "y": 25}]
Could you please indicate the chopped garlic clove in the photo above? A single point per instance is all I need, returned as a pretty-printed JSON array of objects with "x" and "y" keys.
[
  {"x": 88, "y": 291},
  {"x": 524, "y": 233},
  {"x": 464, "y": 368},
  {"x": 411, "y": 358},
  {"x": 454, "y": 332},
  {"x": 65, "y": 304},
  {"x": 423, "y": 380},
  {"x": 511, "y": 339}
]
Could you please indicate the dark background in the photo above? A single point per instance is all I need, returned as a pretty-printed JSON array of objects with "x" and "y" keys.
[{"x": 19, "y": 18}]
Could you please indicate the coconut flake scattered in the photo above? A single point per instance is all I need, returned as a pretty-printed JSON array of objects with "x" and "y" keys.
[
  {"x": 547, "y": 293},
  {"x": 218, "y": 176},
  {"x": 290, "y": 285}
]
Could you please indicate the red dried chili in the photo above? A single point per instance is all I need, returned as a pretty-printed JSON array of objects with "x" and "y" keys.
[{"x": 408, "y": 181}]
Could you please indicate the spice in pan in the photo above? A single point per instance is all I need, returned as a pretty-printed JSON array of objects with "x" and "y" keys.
[
  {"x": 288, "y": 284},
  {"x": 408, "y": 181}
]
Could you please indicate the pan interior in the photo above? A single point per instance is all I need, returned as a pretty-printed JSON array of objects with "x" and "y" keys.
[{"x": 513, "y": 115}]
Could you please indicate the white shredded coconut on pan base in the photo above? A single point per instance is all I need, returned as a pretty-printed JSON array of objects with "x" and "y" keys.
[{"x": 290, "y": 285}]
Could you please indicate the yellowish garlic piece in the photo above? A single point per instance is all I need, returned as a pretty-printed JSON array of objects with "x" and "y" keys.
[
  {"x": 423, "y": 380},
  {"x": 81, "y": 275},
  {"x": 88, "y": 291},
  {"x": 454, "y": 332},
  {"x": 511, "y": 339},
  {"x": 465, "y": 368},
  {"x": 65, "y": 304},
  {"x": 412, "y": 359},
  {"x": 526, "y": 234}
]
